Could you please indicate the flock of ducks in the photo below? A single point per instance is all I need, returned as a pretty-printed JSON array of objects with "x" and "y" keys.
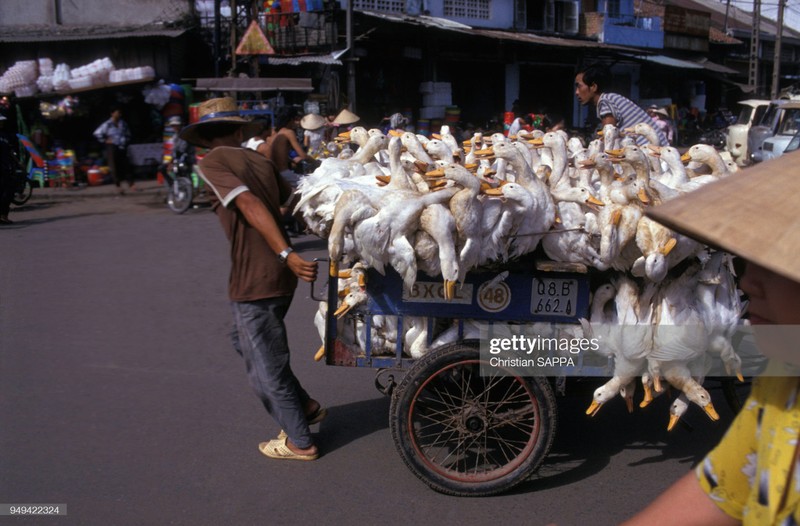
[{"x": 434, "y": 205}]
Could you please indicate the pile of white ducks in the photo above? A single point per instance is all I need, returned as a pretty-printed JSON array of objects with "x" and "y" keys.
[{"x": 415, "y": 203}]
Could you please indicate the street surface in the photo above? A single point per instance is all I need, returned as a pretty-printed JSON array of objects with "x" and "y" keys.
[{"x": 121, "y": 396}]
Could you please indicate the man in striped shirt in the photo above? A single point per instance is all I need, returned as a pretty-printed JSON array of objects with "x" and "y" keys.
[{"x": 612, "y": 108}]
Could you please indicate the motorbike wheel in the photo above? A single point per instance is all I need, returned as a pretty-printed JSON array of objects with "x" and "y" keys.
[
  {"x": 179, "y": 197},
  {"x": 23, "y": 193}
]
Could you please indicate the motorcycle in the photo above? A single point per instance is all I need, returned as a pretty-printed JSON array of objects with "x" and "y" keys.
[{"x": 181, "y": 181}]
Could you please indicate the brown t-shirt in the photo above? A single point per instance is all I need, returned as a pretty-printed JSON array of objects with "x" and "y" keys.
[{"x": 256, "y": 271}]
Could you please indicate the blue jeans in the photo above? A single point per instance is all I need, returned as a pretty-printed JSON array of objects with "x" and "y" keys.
[{"x": 260, "y": 338}]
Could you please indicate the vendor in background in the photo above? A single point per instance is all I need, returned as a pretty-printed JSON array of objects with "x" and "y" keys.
[
  {"x": 611, "y": 108},
  {"x": 284, "y": 149},
  {"x": 661, "y": 118},
  {"x": 345, "y": 120},
  {"x": 115, "y": 135},
  {"x": 263, "y": 130},
  {"x": 313, "y": 133}
]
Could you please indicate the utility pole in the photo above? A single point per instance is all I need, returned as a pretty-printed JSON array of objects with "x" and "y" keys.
[
  {"x": 727, "y": 11},
  {"x": 351, "y": 60},
  {"x": 217, "y": 35},
  {"x": 776, "y": 66},
  {"x": 752, "y": 79}
]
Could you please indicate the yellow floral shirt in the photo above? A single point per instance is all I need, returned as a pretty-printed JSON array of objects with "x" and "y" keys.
[{"x": 752, "y": 474}]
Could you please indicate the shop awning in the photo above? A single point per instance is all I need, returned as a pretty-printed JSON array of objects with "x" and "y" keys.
[
  {"x": 329, "y": 59},
  {"x": 702, "y": 63},
  {"x": 250, "y": 84},
  {"x": 64, "y": 33},
  {"x": 526, "y": 38},
  {"x": 667, "y": 61},
  {"x": 717, "y": 68}
]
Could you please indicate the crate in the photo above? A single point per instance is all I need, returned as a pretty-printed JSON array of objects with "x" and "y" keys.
[{"x": 437, "y": 99}]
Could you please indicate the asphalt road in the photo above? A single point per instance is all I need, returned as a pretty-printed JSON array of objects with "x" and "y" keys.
[{"x": 121, "y": 396}]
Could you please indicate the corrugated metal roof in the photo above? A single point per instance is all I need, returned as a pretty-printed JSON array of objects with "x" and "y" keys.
[
  {"x": 685, "y": 64},
  {"x": 328, "y": 59},
  {"x": 667, "y": 61},
  {"x": 65, "y": 33},
  {"x": 528, "y": 38}
]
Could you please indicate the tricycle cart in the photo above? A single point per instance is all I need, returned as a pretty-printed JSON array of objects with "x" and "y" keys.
[{"x": 460, "y": 430}]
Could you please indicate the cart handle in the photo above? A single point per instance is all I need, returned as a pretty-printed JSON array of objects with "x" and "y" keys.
[{"x": 313, "y": 297}]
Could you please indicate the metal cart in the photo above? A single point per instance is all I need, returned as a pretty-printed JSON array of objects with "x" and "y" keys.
[{"x": 460, "y": 430}]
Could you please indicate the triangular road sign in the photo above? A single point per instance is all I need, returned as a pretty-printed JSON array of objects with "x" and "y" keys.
[{"x": 254, "y": 42}]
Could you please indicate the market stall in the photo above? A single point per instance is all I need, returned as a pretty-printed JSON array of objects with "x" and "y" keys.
[{"x": 58, "y": 108}]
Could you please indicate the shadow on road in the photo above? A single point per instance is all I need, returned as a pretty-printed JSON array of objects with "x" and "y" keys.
[
  {"x": 585, "y": 445},
  {"x": 349, "y": 422},
  {"x": 18, "y": 224}
]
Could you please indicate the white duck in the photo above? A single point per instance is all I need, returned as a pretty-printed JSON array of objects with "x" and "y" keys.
[
  {"x": 467, "y": 211},
  {"x": 721, "y": 307},
  {"x": 630, "y": 357},
  {"x": 705, "y": 154},
  {"x": 451, "y": 142},
  {"x": 352, "y": 207},
  {"x": 438, "y": 223},
  {"x": 681, "y": 337},
  {"x": 416, "y": 149},
  {"x": 388, "y": 233},
  {"x": 571, "y": 238},
  {"x": 528, "y": 218}
]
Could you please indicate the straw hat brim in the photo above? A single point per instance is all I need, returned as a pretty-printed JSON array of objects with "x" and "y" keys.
[
  {"x": 312, "y": 121},
  {"x": 346, "y": 117},
  {"x": 190, "y": 133},
  {"x": 752, "y": 213}
]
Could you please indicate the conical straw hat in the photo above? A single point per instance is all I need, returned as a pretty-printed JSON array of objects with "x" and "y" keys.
[
  {"x": 346, "y": 117},
  {"x": 312, "y": 121},
  {"x": 214, "y": 111},
  {"x": 752, "y": 213}
]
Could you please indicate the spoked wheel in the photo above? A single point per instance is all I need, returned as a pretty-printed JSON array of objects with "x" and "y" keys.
[
  {"x": 179, "y": 197},
  {"x": 470, "y": 435},
  {"x": 22, "y": 194}
]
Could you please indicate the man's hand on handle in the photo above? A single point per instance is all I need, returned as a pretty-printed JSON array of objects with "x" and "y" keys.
[{"x": 303, "y": 269}]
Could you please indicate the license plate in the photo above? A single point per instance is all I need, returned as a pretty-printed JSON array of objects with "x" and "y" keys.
[
  {"x": 433, "y": 292},
  {"x": 554, "y": 297}
]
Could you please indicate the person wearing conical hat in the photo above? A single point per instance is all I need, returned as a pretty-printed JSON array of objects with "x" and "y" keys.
[
  {"x": 313, "y": 133},
  {"x": 661, "y": 117},
  {"x": 751, "y": 476},
  {"x": 248, "y": 192},
  {"x": 346, "y": 118}
]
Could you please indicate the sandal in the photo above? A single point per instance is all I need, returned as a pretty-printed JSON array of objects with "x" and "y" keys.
[{"x": 278, "y": 449}]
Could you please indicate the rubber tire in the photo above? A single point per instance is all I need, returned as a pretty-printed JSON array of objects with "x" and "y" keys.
[
  {"x": 20, "y": 198},
  {"x": 180, "y": 203},
  {"x": 428, "y": 372}
]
